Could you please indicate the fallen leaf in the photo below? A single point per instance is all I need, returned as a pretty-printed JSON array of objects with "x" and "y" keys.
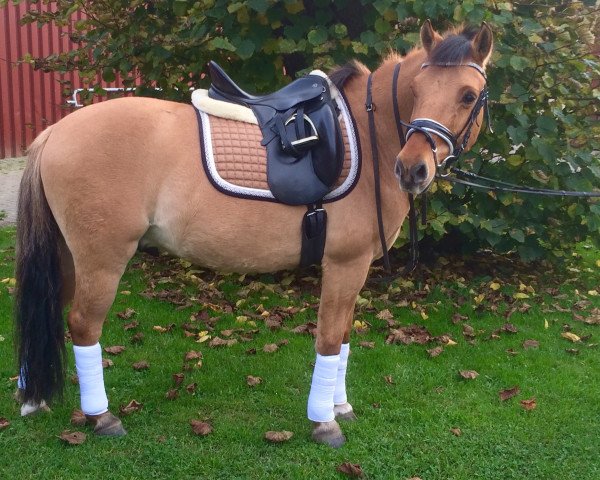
[
  {"x": 366, "y": 344},
  {"x": 142, "y": 365},
  {"x": 509, "y": 393},
  {"x": 572, "y": 351},
  {"x": 219, "y": 342},
  {"x": 529, "y": 404},
  {"x": 270, "y": 348},
  {"x": 531, "y": 344},
  {"x": 72, "y": 438},
  {"x": 520, "y": 295},
  {"x": 115, "y": 350},
  {"x": 159, "y": 328},
  {"x": 126, "y": 314},
  {"x": 512, "y": 352},
  {"x": 192, "y": 355},
  {"x": 456, "y": 431},
  {"x": 570, "y": 336},
  {"x": 107, "y": 363},
  {"x": 388, "y": 379},
  {"x": 191, "y": 388},
  {"x": 385, "y": 315},
  {"x": 172, "y": 394},
  {"x": 351, "y": 469},
  {"x": 137, "y": 338},
  {"x": 509, "y": 328},
  {"x": 407, "y": 335},
  {"x": 78, "y": 418},
  {"x": 178, "y": 379},
  {"x": 278, "y": 437},
  {"x": 468, "y": 374},
  {"x": 131, "y": 325},
  {"x": 253, "y": 381},
  {"x": 468, "y": 331},
  {"x": 4, "y": 423},
  {"x": 201, "y": 428},
  {"x": 434, "y": 352},
  {"x": 131, "y": 407},
  {"x": 251, "y": 351},
  {"x": 494, "y": 286}
]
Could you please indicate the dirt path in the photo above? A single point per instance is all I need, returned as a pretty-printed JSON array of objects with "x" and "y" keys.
[{"x": 11, "y": 170}]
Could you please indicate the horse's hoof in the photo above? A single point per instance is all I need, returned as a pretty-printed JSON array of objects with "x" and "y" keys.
[
  {"x": 106, "y": 424},
  {"x": 328, "y": 433},
  {"x": 344, "y": 412},
  {"x": 29, "y": 408}
]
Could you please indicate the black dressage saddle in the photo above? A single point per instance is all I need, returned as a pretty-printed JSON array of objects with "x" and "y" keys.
[{"x": 301, "y": 132}]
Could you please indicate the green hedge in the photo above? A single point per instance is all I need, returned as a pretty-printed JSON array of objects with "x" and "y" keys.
[{"x": 543, "y": 98}]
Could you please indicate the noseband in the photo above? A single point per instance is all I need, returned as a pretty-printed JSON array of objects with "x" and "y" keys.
[{"x": 429, "y": 127}]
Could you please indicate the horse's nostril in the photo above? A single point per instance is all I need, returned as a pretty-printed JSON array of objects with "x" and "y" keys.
[
  {"x": 398, "y": 170},
  {"x": 419, "y": 172}
]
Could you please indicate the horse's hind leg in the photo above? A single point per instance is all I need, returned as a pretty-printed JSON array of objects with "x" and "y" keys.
[{"x": 97, "y": 275}]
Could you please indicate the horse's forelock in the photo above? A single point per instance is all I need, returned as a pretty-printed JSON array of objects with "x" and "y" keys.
[{"x": 455, "y": 47}]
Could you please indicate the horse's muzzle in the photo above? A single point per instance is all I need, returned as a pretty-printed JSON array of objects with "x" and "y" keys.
[{"x": 413, "y": 179}]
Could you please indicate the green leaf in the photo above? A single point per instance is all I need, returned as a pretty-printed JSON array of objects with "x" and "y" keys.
[
  {"x": 317, "y": 36},
  {"x": 221, "y": 43},
  {"x": 180, "y": 7},
  {"x": 259, "y": 6},
  {"x": 519, "y": 63},
  {"x": 108, "y": 75},
  {"x": 245, "y": 49}
]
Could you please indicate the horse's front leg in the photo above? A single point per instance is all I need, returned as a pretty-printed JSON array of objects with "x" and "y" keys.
[
  {"x": 341, "y": 408},
  {"x": 341, "y": 284}
]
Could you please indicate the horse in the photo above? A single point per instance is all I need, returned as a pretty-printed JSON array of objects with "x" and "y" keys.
[{"x": 125, "y": 171}]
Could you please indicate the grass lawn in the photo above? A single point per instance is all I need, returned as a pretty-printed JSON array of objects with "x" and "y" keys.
[{"x": 407, "y": 401}]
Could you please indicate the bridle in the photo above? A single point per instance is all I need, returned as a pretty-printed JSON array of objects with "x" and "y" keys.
[{"x": 429, "y": 127}]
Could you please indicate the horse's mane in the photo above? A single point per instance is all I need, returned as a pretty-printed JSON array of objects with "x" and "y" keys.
[{"x": 454, "y": 48}]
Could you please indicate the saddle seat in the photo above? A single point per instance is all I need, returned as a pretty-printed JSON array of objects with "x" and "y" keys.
[{"x": 224, "y": 88}]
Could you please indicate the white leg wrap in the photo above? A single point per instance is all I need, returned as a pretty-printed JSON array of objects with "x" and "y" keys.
[
  {"x": 339, "y": 397},
  {"x": 88, "y": 361},
  {"x": 320, "y": 400}
]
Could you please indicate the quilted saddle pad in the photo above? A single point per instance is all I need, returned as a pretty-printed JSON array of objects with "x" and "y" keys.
[{"x": 236, "y": 163}]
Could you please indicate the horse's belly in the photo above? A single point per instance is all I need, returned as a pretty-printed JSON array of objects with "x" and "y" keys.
[{"x": 231, "y": 234}]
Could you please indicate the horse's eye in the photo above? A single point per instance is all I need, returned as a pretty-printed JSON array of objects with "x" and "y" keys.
[{"x": 468, "y": 98}]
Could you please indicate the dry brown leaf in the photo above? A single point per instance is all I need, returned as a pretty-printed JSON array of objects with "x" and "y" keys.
[
  {"x": 4, "y": 423},
  {"x": 172, "y": 394},
  {"x": 115, "y": 350},
  {"x": 72, "y": 438},
  {"x": 572, "y": 351},
  {"x": 253, "y": 381},
  {"x": 468, "y": 331},
  {"x": 457, "y": 318},
  {"x": 160, "y": 329},
  {"x": 106, "y": 363},
  {"x": 509, "y": 393},
  {"x": 512, "y": 352},
  {"x": 529, "y": 404},
  {"x": 366, "y": 344},
  {"x": 137, "y": 338},
  {"x": 192, "y": 355},
  {"x": 274, "y": 322},
  {"x": 78, "y": 418},
  {"x": 251, "y": 351},
  {"x": 126, "y": 314},
  {"x": 131, "y": 407},
  {"x": 201, "y": 428},
  {"x": 278, "y": 437},
  {"x": 531, "y": 344},
  {"x": 456, "y": 431},
  {"x": 434, "y": 352},
  {"x": 407, "y": 335},
  {"x": 131, "y": 325},
  {"x": 388, "y": 379},
  {"x": 351, "y": 469},
  {"x": 468, "y": 374},
  {"x": 283, "y": 342},
  {"x": 191, "y": 388},
  {"x": 509, "y": 328},
  {"x": 142, "y": 365},
  {"x": 385, "y": 315},
  {"x": 178, "y": 379},
  {"x": 270, "y": 348},
  {"x": 219, "y": 342}
]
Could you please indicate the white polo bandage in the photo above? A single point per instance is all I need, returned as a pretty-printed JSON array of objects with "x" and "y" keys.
[
  {"x": 339, "y": 397},
  {"x": 320, "y": 399},
  {"x": 88, "y": 361}
]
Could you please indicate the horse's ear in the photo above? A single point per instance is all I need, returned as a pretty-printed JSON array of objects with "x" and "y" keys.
[
  {"x": 429, "y": 37},
  {"x": 482, "y": 45}
]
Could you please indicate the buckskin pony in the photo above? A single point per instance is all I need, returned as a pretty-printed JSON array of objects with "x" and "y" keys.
[{"x": 118, "y": 172}]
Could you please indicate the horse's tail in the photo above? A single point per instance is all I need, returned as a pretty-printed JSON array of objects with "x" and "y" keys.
[{"x": 38, "y": 306}]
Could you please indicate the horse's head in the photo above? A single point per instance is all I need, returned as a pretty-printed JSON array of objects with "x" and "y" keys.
[{"x": 449, "y": 98}]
